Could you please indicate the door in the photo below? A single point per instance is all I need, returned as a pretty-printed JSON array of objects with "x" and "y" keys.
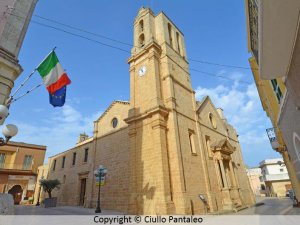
[
  {"x": 82, "y": 191},
  {"x": 16, "y": 191}
]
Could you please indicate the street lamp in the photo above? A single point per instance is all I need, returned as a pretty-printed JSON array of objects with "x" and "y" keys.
[
  {"x": 9, "y": 130},
  {"x": 100, "y": 174}
]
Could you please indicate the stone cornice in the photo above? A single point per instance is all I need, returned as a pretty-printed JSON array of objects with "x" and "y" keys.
[
  {"x": 145, "y": 50},
  {"x": 158, "y": 109}
]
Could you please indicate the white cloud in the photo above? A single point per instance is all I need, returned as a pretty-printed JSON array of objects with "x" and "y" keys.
[
  {"x": 241, "y": 104},
  {"x": 242, "y": 108},
  {"x": 58, "y": 131}
]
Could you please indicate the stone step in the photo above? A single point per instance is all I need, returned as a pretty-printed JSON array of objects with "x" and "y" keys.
[{"x": 240, "y": 207}]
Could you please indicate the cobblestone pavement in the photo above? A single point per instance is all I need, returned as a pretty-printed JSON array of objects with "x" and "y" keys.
[
  {"x": 272, "y": 206},
  {"x": 60, "y": 210}
]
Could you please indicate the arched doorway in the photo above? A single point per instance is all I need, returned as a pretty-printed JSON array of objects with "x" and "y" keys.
[{"x": 16, "y": 191}]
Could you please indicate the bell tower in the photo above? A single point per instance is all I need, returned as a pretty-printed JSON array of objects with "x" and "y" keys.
[{"x": 161, "y": 115}]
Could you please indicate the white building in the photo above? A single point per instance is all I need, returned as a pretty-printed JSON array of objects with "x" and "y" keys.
[{"x": 275, "y": 176}]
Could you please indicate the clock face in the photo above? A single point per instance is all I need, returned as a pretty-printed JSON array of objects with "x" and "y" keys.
[{"x": 142, "y": 71}]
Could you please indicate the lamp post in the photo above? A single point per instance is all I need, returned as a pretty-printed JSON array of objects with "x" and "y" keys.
[
  {"x": 9, "y": 130},
  {"x": 100, "y": 174}
]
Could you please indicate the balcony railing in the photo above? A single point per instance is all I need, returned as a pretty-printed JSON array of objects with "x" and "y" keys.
[
  {"x": 8, "y": 166},
  {"x": 275, "y": 177}
]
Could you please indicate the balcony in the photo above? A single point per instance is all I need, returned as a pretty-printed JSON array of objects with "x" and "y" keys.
[
  {"x": 275, "y": 177},
  {"x": 13, "y": 166},
  {"x": 272, "y": 138},
  {"x": 278, "y": 24}
]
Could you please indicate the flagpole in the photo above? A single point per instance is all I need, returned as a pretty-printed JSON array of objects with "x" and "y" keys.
[
  {"x": 25, "y": 81},
  {"x": 26, "y": 93}
]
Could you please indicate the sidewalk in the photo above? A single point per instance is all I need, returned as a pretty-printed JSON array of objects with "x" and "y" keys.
[
  {"x": 60, "y": 210},
  {"x": 272, "y": 206}
]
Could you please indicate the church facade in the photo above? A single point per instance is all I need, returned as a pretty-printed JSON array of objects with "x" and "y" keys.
[{"x": 165, "y": 152}]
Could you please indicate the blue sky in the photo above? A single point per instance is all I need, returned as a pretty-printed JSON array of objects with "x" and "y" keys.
[{"x": 215, "y": 31}]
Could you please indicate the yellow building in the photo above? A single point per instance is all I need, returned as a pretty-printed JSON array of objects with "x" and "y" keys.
[
  {"x": 272, "y": 90},
  {"x": 18, "y": 169},
  {"x": 165, "y": 152}
]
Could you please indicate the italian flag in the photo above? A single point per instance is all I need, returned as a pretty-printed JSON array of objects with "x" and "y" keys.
[{"x": 53, "y": 74}]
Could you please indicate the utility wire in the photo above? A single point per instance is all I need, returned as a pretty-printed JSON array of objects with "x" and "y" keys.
[
  {"x": 223, "y": 65},
  {"x": 186, "y": 69},
  {"x": 131, "y": 45},
  {"x": 78, "y": 35},
  {"x": 111, "y": 46},
  {"x": 128, "y": 44},
  {"x": 220, "y": 76},
  {"x": 74, "y": 34},
  {"x": 82, "y": 30}
]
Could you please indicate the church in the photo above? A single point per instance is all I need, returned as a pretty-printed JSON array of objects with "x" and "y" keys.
[{"x": 165, "y": 152}]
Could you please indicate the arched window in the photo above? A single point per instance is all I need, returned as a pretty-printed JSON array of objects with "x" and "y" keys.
[
  {"x": 141, "y": 26},
  {"x": 212, "y": 120},
  {"x": 142, "y": 40},
  {"x": 170, "y": 34},
  {"x": 114, "y": 122}
]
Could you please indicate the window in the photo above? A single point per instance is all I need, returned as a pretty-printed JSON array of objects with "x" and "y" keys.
[
  {"x": 296, "y": 142},
  {"x": 114, "y": 122},
  {"x": 64, "y": 179},
  {"x": 27, "y": 162},
  {"x": 86, "y": 154},
  {"x": 220, "y": 172},
  {"x": 2, "y": 160},
  {"x": 207, "y": 141},
  {"x": 277, "y": 90},
  {"x": 63, "y": 162},
  {"x": 74, "y": 158},
  {"x": 281, "y": 170},
  {"x": 212, "y": 120},
  {"x": 170, "y": 35},
  {"x": 178, "y": 42},
  {"x": 141, "y": 26},
  {"x": 54, "y": 164},
  {"x": 142, "y": 40},
  {"x": 192, "y": 144}
]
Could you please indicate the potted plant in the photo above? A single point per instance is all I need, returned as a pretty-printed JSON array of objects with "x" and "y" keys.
[{"x": 48, "y": 186}]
